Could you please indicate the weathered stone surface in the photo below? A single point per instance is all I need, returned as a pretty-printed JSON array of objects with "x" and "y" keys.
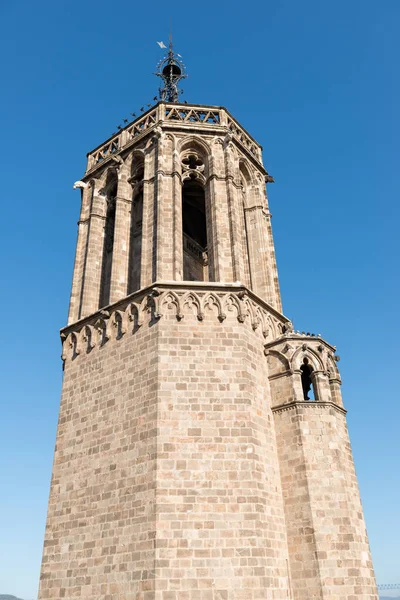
[{"x": 189, "y": 464}]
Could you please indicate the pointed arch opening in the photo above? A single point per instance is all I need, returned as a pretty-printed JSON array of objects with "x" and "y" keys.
[
  {"x": 245, "y": 190},
  {"x": 307, "y": 372},
  {"x": 194, "y": 226},
  {"x": 108, "y": 244},
  {"x": 135, "y": 245}
]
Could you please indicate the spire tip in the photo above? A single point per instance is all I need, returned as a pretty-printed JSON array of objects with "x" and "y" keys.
[{"x": 171, "y": 70}]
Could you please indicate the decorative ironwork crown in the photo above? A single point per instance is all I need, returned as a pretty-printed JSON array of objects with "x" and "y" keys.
[{"x": 171, "y": 70}]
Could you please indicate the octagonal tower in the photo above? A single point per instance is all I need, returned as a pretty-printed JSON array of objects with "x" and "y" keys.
[
  {"x": 177, "y": 195},
  {"x": 190, "y": 462}
]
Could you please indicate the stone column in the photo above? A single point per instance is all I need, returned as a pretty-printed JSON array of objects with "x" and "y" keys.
[
  {"x": 79, "y": 265},
  {"x": 120, "y": 258},
  {"x": 237, "y": 233},
  {"x": 165, "y": 209},
  {"x": 264, "y": 275},
  {"x": 94, "y": 254},
  {"x": 256, "y": 240},
  {"x": 149, "y": 217},
  {"x": 218, "y": 213}
]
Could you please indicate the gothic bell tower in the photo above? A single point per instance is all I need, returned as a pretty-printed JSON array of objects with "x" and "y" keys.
[{"x": 190, "y": 463}]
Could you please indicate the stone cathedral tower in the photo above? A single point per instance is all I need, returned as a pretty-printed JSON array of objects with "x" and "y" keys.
[{"x": 190, "y": 463}]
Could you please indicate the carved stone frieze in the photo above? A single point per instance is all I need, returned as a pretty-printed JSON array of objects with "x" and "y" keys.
[{"x": 183, "y": 302}]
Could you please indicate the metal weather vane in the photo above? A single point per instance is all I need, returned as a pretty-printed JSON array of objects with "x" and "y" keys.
[{"x": 171, "y": 70}]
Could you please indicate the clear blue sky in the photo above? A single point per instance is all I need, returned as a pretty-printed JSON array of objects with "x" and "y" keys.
[{"x": 317, "y": 84}]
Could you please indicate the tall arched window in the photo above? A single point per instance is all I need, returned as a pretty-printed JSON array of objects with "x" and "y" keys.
[
  {"x": 194, "y": 224},
  {"x": 135, "y": 247},
  {"x": 108, "y": 246},
  {"x": 307, "y": 380},
  {"x": 194, "y": 219}
]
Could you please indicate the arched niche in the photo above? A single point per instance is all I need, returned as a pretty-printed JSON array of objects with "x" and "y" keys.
[
  {"x": 196, "y": 217},
  {"x": 135, "y": 245},
  {"x": 110, "y": 192},
  {"x": 194, "y": 230}
]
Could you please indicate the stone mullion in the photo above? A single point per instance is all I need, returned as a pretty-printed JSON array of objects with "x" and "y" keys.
[
  {"x": 94, "y": 256},
  {"x": 79, "y": 265},
  {"x": 120, "y": 259},
  {"x": 146, "y": 270}
]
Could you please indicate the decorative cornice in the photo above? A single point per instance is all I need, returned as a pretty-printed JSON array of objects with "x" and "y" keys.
[
  {"x": 310, "y": 404},
  {"x": 286, "y": 354},
  {"x": 186, "y": 300},
  {"x": 186, "y": 118},
  {"x": 296, "y": 336}
]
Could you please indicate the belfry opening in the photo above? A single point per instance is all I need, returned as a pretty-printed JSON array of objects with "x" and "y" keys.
[
  {"x": 135, "y": 241},
  {"x": 306, "y": 379},
  {"x": 108, "y": 245},
  {"x": 194, "y": 226}
]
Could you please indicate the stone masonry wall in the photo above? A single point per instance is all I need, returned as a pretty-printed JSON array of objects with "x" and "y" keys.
[
  {"x": 188, "y": 465},
  {"x": 165, "y": 481},
  {"x": 328, "y": 545},
  {"x": 220, "y": 524},
  {"x": 100, "y": 530}
]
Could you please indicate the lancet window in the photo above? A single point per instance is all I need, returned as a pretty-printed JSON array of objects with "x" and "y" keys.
[
  {"x": 135, "y": 252},
  {"x": 194, "y": 219},
  {"x": 307, "y": 379},
  {"x": 108, "y": 245}
]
